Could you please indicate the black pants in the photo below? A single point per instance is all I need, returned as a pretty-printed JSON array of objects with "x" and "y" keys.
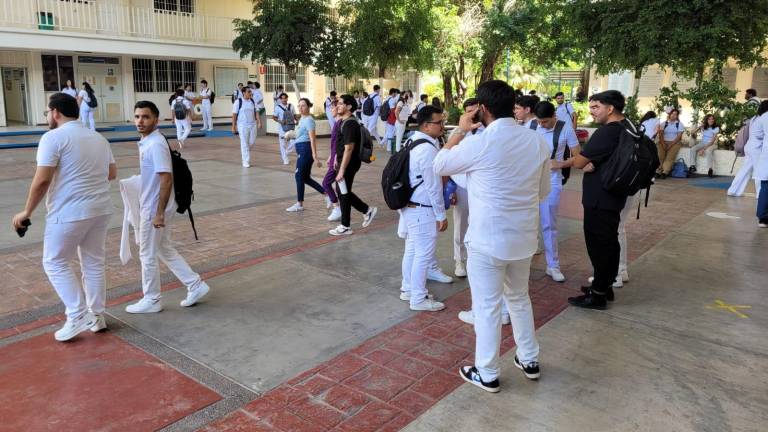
[
  {"x": 601, "y": 233},
  {"x": 349, "y": 199}
]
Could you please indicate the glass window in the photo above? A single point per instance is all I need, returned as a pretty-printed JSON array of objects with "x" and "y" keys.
[
  {"x": 50, "y": 73},
  {"x": 66, "y": 70},
  {"x": 276, "y": 76}
]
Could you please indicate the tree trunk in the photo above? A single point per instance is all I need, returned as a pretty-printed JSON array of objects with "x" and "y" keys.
[
  {"x": 488, "y": 66},
  {"x": 382, "y": 74},
  {"x": 447, "y": 89},
  {"x": 636, "y": 83},
  {"x": 291, "y": 71}
]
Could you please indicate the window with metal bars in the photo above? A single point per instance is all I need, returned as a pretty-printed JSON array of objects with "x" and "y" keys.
[
  {"x": 276, "y": 76},
  {"x": 142, "y": 76},
  {"x": 161, "y": 76},
  {"x": 183, "y": 6}
]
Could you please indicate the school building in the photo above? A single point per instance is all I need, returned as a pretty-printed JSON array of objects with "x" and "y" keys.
[{"x": 131, "y": 50}]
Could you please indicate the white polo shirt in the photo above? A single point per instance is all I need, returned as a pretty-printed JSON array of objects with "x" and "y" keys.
[
  {"x": 504, "y": 191},
  {"x": 70, "y": 91},
  {"x": 564, "y": 111},
  {"x": 258, "y": 97},
  {"x": 671, "y": 130},
  {"x": 567, "y": 137},
  {"x": 155, "y": 158},
  {"x": 79, "y": 189},
  {"x": 187, "y": 104},
  {"x": 206, "y": 91},
  {"x": 84, "y": 96},
  {"x": 246, "y": 112},
  {"x": 420, "y": 172}
]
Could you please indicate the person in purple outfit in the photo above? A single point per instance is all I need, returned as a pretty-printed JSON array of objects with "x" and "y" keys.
[{"x": 330, "y": 177}]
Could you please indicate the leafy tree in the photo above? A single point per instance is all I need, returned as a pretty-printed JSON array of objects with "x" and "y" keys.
[{"x": 284, "y": 30}]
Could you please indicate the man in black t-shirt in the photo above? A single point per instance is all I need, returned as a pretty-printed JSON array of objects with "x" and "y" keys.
[
  {"x": 602, "y": 209},
  {"x": 347, "y": 164}
]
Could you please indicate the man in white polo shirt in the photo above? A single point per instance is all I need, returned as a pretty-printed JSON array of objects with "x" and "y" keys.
[
  {"x": 507, "y": 169},
  {"x": 156, "y": 209},
  {"x": 565, "y": 110},
  {"x": 74, "y": 166},
  {"x": 245, "y": 120}
]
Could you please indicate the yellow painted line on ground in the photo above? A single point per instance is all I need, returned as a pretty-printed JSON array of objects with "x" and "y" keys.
[{"x": 719, "y": 304}]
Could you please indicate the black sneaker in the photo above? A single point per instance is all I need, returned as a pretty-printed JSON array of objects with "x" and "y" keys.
[
  {"x": 531, "y": 370},
  {"x": 472, "y": 376},
  {"x": 608, "y": 294},
  {"x": 589, "y": 301}
]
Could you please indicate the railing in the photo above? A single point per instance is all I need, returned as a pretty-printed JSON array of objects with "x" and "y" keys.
[{"x": 113, "y": 19}]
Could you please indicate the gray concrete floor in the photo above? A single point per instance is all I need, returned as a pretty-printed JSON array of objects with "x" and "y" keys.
[{"x": 660, "y": 359}]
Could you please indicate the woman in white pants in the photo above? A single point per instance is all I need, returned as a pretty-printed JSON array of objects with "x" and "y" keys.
[
  {"x": 205, "y": 95},
  {"x": 402, "y": 113},
  {"x": 246, "y": 118},
  {"x": 707, "y": 145},
  {"x": 86, "y": 112},
  {"x": 751, "y": 154}
]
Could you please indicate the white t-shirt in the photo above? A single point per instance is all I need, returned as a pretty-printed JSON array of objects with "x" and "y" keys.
[
  {"x": 708, "y": 134},
  {"x": 84, "y": 95},
  {"x": 564, "y": 111},
  {"x": 155, "y": 157},
  {"x": 650, "y": 126},
  {"x": 189, "y": 95},
  {"x": 206, "y": 91},
  {"x": 187, "y": 104},
  {"x": 671, "y": 130},
  {"x": 567, "y": 137},
  {"x": 246, "y": 112},
  {"x": 79, "y": 189},
  {"x": 70, "y": 91},
  {"x": 258, "y": 97},
  {"x": 405, "y": 111}
]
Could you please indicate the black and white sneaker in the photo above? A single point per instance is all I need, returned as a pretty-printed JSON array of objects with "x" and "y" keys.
[
  {"x": 531, "y": 370},
  {"x": 472, "y": 376}
]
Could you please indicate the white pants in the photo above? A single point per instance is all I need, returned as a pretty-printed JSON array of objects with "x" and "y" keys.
[
  {"x": 399, "y": 132},
  {"x": 372, "y": 123},
  {"x": 183, "y": 128},
  {"x": 492, "y": 280},
  {"x": 207, "y": 116},
  {"x": 709, "y": 159},
  {"x": 420, "y": 246},
  {"x": 389, "y": 130},
  {"x": 247, "y": 140},
  {"x": 626, "y": 213},
  {"x": 548, "y": 218},
  {"x": 86, "y": 115},
  {"x": 286, "y": 146},
  {"x": 156, "y": 243},
  {"x": 742, "y": 177},
  {"x": 460, "y": 224},
  {"x": 86, "y": 238}
]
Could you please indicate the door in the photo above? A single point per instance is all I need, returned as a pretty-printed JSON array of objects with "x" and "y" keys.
[
  {"x": 15, "y": 88},
  {"x": 106, "y": 81},
  {"x": 225, "y": 80}
]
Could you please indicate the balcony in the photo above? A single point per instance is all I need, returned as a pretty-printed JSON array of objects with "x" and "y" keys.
[{"x": 111, "y": 19}]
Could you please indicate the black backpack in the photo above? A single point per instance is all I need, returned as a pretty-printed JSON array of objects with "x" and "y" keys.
[
  {"x": 632, "y": 165},
  {"x": 384, "y": 110},
  {"x": 395, "y": 182},
  {"x": 212, "y": 97},
  {"x": 92, "y": 102},
  {"x": 559, "y": 125},
  {"x": 179, "y": 110},
  {"x": 368, "y": 106},
  {"x": 182, "y": 186},
  {"x": 365, "y": 152}
]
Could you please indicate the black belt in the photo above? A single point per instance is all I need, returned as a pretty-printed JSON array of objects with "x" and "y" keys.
[{"x": 414, "y": 204}]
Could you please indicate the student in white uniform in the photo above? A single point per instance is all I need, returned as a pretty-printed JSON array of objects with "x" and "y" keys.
[
  {"x": 74, "y": 166},
  {"x": 524, "y": 106},
  {"x": 205, "y": 95},
  {"x": 707, "y": 145},
  {"x": 86, "y": 112},
  {"x": 157, "y": 208},
  {"x": 70, "y": 89},
  {"x": 183, "y": 125},
  {"x": 670, "y": 140},
  {"x": 189, "y": 93},
  {"x": 402, "y": 114},
  {"x": 761, "y": 169},
  {"x": 742, "y": 177},
  {"x": 359, "y": 99},
  {"x": 508, "y": 174},
  {"x": 558, "y": 134},
  {"x": 424, "y": 217},
  {"x": 371, "y": 121},
  {"x": 258, "y": 97},
  {"x": 389, "y": 128},
  {"x": 565, "y": 110},
  {"x": 285, "y": 116},
  {"x": 237, "y": 93},
  {"x": 328, "y": 106},
  {"x": 245, "y": 121},
  {"x": 276, "y": 94},
  {"x": 650, "y": 123}
]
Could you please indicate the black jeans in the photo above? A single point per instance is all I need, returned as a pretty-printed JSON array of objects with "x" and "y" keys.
[
  {"x": 304, "y": 170},
  {"x": 349, "y": 199},
  {"x": 601, "y": 233}
]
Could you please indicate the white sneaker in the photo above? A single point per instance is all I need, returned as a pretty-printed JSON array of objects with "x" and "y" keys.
[
  {"x": 618, "y": 283},
  {"x": 368, "y": 217},
  {"x": 624, "y": 276},
  {"x": 406, "y": 296},
  {"x": 469, "y": 317},
  {"x": 295, "y": 208},
  {"x": 202, "y": 129},
  {"x": 101, "y": 324},
  {"x": 428, "y": 305},
  {"x": 328, "y": 202},
  {"x": 762, "y": 225},
  {"x": 210, "y": 130},
  {"x": 335, "y": 214},
  {"x": 437, "y": 275},
  {"x": 196, "y": 294},
  {"x": 145, "y": 305},
  {"x": 555, "y": 274},
  {"x": 340, "y": 230},
  {"x": 74, "y": 327},
  {"x": 246, "y": 165},
  {"x": 460, "y": 271}
]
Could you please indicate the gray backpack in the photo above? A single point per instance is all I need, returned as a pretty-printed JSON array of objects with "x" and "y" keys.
[{"x": 289, "y": 119}]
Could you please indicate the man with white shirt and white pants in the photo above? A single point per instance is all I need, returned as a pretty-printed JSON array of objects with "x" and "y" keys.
[
  {"x": 258, "y": 97},
  {"x": 328, "y": 105},
  {"x": 565, "y": 110},
  {"x": 245, "y": 120},
  {"x": 183, "y": 125},
  {"x": 74, "y": 167},
  {"x": 508, "y": 174},
  {"x": 205, "y": 95},
  {"x": 424, "y": 216},
  {"x": 156, "y": 209},
  {"x": 371, "y": 121},
  {"x": 283, "y": 114},
  {"x": 558, "y": 134}
]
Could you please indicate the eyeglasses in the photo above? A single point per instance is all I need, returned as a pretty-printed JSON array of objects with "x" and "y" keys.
[
  {"x": 45, "y": 113},
  {"x": 441, "y": 122}
]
